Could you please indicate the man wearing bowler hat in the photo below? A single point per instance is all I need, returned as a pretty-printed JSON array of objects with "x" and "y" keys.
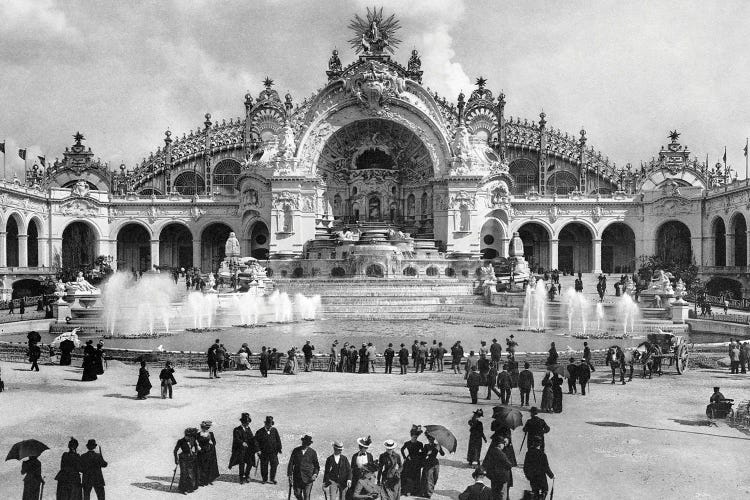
[
  {"x": 243, "y": 448},
  {"x": 478, "y": 490},
  {"x": 269, "y": 446},
  {"x": 92, "y": 464},
  {"x": 303, "y": 469},
  {"x": 337, "y": 474}
]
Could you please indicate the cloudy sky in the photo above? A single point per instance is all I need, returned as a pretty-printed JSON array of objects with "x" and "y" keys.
[{"x": 123, "y": 72}]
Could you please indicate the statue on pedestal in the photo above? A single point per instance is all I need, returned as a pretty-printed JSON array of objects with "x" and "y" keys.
[{"x": 232, "y": 246}]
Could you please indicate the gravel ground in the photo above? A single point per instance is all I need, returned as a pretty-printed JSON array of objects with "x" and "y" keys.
[{"x": 655, "y": 442}]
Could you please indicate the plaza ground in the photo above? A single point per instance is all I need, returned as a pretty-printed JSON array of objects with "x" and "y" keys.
[{"x": 659, "y": 449}]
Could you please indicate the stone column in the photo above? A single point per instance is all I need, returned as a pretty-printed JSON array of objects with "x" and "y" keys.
[
  {"x": 747, "y": 248},
  {"x": 196, "y": 253},
  {"x": 597, "y": 256},
  {"x": 154, "y": 254},
  {"x": 23, "y": 250},
  {"x": 729, "y": 249},
  {"x": 553, "y": 251},
  {"x": 3, "y": 256},
  {"x": 505, "y": 247}
]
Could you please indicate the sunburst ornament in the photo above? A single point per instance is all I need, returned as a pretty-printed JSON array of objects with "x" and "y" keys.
[{"x": 375, "y": 34}]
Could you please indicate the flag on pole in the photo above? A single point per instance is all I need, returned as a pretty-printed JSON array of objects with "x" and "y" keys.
[
  {"x": 725, "y": 154},
  {"x": 2, "y": 147},
  {"x": 42, "y": 160},
  {"x": 22, "y": 153},
  {"x": 747, "y": 142}
]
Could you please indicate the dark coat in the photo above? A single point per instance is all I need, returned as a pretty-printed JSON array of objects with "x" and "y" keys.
[
  {"x": 497, "y": 465},
  {"x": 536, "y": 469},
  {"x": 552, "y": 358},
  {"x": 503, "y": 380},
  {"x": 525, "y": 379},
  {"x": 302, "y": 467},
  {"x": 536, "y": 426},
  {"x": 242, "y": 454},
  {"x": 356, "y": 471},
  {"x": 477, "y": 491},
  {"x": 572, "y": 371},
  {"x": 307, "y": 350},
  {"x": 92, "y": 464},
  {"x": 403, "y": 356},
  {"x": 70, "y": 469},
  {"x": 337, "y": 473},
  {"x": 584, "y": 373},
  {"x": 473, "y": 380},
  {"x": 389, "y": 353},
  {"x": 268, "y": 442},
  {"x": 264, "y": 364}
]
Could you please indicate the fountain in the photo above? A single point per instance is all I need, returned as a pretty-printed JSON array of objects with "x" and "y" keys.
[
  {"x": 535, "y": 305},
  {"x": 576, "y": 305},
  {"x": 138, "y": 307},
  {"x": 201, "y": 307},
  {"x": 627, "y": 314}
]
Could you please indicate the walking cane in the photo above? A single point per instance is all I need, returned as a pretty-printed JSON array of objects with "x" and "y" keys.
[
  {"x": 174, "y": 474},
  {"x": 522, "y": 441},
  {"x": 41, "y": 491},
  {"x": 552, "y": 491},
  {"x": 325, "y": 493},
  {"x": 533, "y": 391},
  {"x": 289, "y": 496}
]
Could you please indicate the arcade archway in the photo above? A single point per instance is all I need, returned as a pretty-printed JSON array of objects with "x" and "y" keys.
[
  {"x": 739, "y": 229},
  {"x": 618, "y": 249},
  {"x": 176, "y": 246},
  {"x": 78, "y": 246},
  {"x": 11, "y": 242},
  {"x": 719, "y": 233},
  {"x": 259, "y": 241},
  {"x": 133, "y": 248},
  {"x": 673, "y": 245},
  {"x": 213, "y": 240},
  {"x": 574, "y": 249},
  {"x": 535, "y": 240},
  {"x": 491, "y": 240},
  {"x": 32, "y": 243}
]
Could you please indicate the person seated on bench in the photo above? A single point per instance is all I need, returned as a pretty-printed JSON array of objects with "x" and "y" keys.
[{"x": 719, "y": 406}]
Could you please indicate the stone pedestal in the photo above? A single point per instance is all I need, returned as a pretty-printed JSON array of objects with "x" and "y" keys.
[
  {"x": 680, "y": 311},
  {"x": 61, "y": 310}
]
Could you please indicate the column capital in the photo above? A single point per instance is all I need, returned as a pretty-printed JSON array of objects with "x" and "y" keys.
[{"x": 596, "y": 240}]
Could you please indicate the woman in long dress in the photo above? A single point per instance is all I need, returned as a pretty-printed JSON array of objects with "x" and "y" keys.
[
  {"x": 431, "y": 471},
  {"x": 389, "y": 472},
  {"x": 99, "y": 359},
  {"x": 291, "y": 362},
  {"x": 557, "y": 395},
  {"x": 143, "y": 387},
  {"x": 185, "y": 456},
  {"x": 33, "y": 480},
  {"x": 89, "y": 367},
  {"x": 69, "y": 477},
  {"x": 546, "y": 405},
  {"x": 208, "y": 466},
  {"x": 476, "y": 437},
  {"x": 501, "y": 430},
  {"x": 412, "y": 473}
]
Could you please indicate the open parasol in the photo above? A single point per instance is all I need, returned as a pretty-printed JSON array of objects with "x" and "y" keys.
[
  {"x": 443, "y": 436},
  {"x": 26, "y": 448},
  {"x": 33, "y": 336},
  {"x": 510, "y": 416},
  {"x": 71, "y": 335}
]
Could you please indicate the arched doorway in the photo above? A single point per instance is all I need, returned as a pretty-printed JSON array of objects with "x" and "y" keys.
[
  {"x": 535, "y": 240},
  {"x": 78, "y": 246},
  {"x": 491, "y": 240},
  {"x": 259, "y": 241},
  {"x": 27, "y": 288},
  {"x": 673, "y": 244},
  {"x": 213, "y": 240},
  {"x": 719, "y": 232},
  {"x": 32, "y": 243},
  {"x": 11, "y": 242},
  {"x": 739, "y": 228},
  {"x": 727, "y": 287},
  {"x": 176, "y": 246},
  {"x": 618, "y": 249},
  {"x": 574, "y": 249},
  {"x": 133, "y": 248}
]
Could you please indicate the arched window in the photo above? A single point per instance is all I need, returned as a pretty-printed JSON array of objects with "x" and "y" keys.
[
  {"x": 225, "y": 176},
  {"x": 189, "y": 183},
  {"x": 525, "y": 175},
  {"x": 562, "y": 182}
]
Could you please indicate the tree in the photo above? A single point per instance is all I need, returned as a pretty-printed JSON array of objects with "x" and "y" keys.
[{"x": 688, "y": 273}]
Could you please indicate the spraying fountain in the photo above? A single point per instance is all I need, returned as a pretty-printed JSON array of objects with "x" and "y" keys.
[
  {"x": 535, "y": 306},
  {"x": 138, "y": 308}
]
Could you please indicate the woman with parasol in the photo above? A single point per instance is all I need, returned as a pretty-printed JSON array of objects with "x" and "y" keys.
[
  {"x": 503, "y": 423},
  {"x": 186, "y": 459},
  {"x": 69, "y": 477},
  {"x": 143, "y": 386},
  {"x": 412, "y": 453},
  {"x": 476, "y": 436},
  {"x": 33, "y": 480}
]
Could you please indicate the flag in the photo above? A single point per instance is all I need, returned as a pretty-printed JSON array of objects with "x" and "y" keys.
[
  {"x": 725, "y": 154},
  {"x": 747, "y": 142},
  {"x": 42, "y": 160},
  {"x": 22, "y": 153},
  {"x": 2, "y": 147}
]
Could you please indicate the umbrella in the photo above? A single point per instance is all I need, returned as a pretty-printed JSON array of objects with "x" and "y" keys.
[
  {"x": 26, "y": 448},
  {"x": 510, "y": 416},
  {"x": 71, "y": 335},
  {"x": 557, "y": 368},
  {"x": 443, "y": 436}
]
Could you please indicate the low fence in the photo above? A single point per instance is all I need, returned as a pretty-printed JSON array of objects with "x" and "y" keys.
[
  {"x": 716, "y": 300},
  {"x": 27, "y": 301}
]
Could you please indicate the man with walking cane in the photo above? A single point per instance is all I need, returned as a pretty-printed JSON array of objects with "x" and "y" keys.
[
  {"x": 536, "y": 428},
  {"x": 536, "y": 469},
  {"x": 526, "y": 384},
  {"x": 92, "y": 464},
  {"x": 303, "y": 469}
]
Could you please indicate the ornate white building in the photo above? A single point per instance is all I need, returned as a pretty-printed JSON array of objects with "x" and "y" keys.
[{"x": 374, "y": 149}]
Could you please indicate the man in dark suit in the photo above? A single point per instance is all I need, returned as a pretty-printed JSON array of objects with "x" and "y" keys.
[
  {"x": 403, "y": 359},
  {"x": 587, "y": 356},
  {"x": 389, "y": 354},
  {"x": 307, "y": 350},
  {"x": 243, "y": 448},
  {"x": 536, "y": 469},
  {"x": 269, "y": 446},
  {"x": 584, "y": 374},
  {"x": 363, "y": 365},
  {"x": 361, "y": 460},
  {"x": 337, "y": 474},
  {"x": 535, "y": 427},
  {"x": 264, "y": 362},
  {"x": 303, "y": 469},
  {"x": 478, "y": 490},
  {"x": 498, "y": 468},
  {"x": 572, "y": 376},
  {"x": 92, "y": 464}
]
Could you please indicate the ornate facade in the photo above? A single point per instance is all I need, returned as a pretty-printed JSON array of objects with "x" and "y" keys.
[{"x": 373, "y": 149}]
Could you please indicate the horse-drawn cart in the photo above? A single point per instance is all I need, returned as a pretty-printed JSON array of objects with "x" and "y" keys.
[{"x": 673, "y": 349}]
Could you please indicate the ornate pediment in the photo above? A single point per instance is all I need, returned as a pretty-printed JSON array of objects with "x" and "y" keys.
[
  {"x": 462, "y": 198},
  {"x": 286, "y": 198},
  {"x": 375, "y": 86},
  {"x": 79, "y": 207}
]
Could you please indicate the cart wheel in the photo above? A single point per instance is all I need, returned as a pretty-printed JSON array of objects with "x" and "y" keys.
[{"x": 683, "y": 355}]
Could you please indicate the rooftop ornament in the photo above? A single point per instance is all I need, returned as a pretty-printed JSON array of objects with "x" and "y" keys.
[{"x": 374, "y": 35}]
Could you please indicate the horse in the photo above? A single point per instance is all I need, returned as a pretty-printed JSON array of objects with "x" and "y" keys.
[
  {"x": 648, "y": 355},
  {"x": 617, "y": 357}
]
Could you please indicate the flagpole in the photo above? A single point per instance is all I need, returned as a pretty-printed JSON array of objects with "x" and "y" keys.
[
  {"x": 747, "y": 171},
  {"x": 5, "y": 153}
]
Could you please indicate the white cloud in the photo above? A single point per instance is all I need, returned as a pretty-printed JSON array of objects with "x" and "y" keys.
[{"x": 34, "y": 17}]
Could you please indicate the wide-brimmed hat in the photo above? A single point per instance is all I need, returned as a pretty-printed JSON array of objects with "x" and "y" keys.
[
  {"x": 479, "y": 412},
  {"x": 306, "y": 439},
  {"x": 479, "y": 471},
  {"x": 91, "y": 444},
  {"x": 338, "y": 445},
  {"x": 269, "y": 420},
  {"x": 206, "y": 424},
  {"x": 245, "y": 417},
  {"x": 389, "y": 444},
  {"x": 416, "y": 430},
  {"x": 364, "y": 442}
]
